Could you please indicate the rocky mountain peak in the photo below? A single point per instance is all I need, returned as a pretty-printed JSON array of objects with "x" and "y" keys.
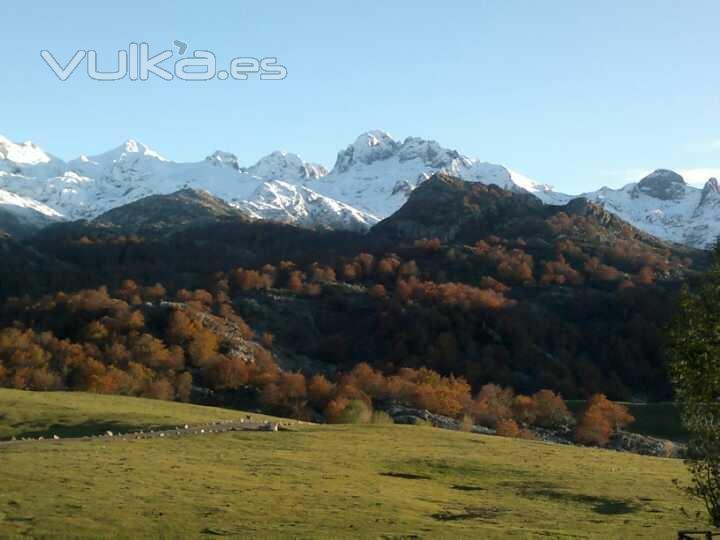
[
  {"x": 430, "y": 152},
  {"x": 131, "y": 150},
  {"x": 224, "y": 159},
  {"x": 300, "y": 205},
  {"x": 283, "y": 165},
  {"x": 711, "y": 187},
  {"x": 369, "y": 147},
  {"x": 26, "y": 153},
  {"x": 663, "y": 184}
]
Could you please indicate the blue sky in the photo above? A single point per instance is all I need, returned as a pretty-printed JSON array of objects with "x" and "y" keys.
[{"x": 575, "y": 94}]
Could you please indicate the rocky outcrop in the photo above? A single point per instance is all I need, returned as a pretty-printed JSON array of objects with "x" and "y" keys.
[
  {"x": 647, "y": 446},
  {"x": 711, "y": 187},
  {"x": 232, "y": 334},
  {"x": 407, "y": 415},
  {"x": 623, "y": 441},
  {"x": 663, "y": 184}
]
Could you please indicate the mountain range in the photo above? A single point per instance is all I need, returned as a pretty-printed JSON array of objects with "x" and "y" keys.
[
  {"x": 465, "y": 278},
  {"x": 371, "y": 179}
]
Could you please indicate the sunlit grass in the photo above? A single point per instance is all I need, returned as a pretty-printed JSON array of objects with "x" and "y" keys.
[{"x": 322, "y": 481}]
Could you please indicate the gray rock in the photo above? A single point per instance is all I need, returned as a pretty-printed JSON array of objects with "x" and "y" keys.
[{"x": 647, "y": 446}]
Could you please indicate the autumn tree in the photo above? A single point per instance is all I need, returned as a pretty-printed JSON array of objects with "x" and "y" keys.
[
  {"x": 319, "y": 391},
  {"x": 492, "y": 404},
  {"x": 203, "y": 347},
  {"x": 180, "y": 328},
  {"x": 549, "y": 410},
  {"x": 354, "y": 411},
  {"x": 153, "y": 293},
  {"x": 227, "y": 374},
  {"x": 287, "y": 395},
  {"x": 600, "y": 419},
  {"x": 184, "y": 386},
  {"x": 507, "y": 427}
]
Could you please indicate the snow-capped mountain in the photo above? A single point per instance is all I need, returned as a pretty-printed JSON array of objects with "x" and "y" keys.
[
  {"x": 288, "y": 203},
  {"x": 371, "y": 179},
  {"x": 282, "y": 165},
  {"x": 25, "y": 153},
  {"x": 377, "y": 173},
  {"x": 91, "y": 185},
  {"x": 664, "y": 205},
  {"x": 20, "y": 214}
]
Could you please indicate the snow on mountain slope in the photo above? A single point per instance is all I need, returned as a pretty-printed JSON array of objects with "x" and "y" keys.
[
  {"x": 91, "y": 185},
  {"x": 24, "y": 206},
  {"x": 281, "y": 201},
  {"x": 372, "y": 178},
  {"x": 282, "y": 165},
  {"x": 664, "y": 205},
  {"x": 20, "y": 215},
  {"x": 376, "y": 173},
  {"x": 25, "y": 153}
]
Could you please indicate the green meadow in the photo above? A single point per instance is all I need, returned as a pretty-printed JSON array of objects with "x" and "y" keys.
[{"x": 369, "y": 481}]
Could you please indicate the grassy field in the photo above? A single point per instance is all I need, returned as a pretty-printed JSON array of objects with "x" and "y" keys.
[
  {"x": 75, "y": 414},
  {"x": 317, "y": 481}
]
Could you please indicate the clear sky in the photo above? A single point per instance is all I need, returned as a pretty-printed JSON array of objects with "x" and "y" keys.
[{"x": 575, "y": 94}]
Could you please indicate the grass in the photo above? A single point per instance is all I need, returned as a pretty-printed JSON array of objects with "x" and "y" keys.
[
  {"x": 75, "y": 414},
  {"x": 374, "y": 481}
]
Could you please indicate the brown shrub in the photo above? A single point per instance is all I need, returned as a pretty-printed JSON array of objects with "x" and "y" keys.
[
  {"x": 319, "y": 391},
  {"x": 600, "y": 419},
  {"x": 549, "y": 409},
  {"x": 184, "y": 386},
  {"x": 493, "y": 404},
  {"x": 507, "y": 428},
  {"x": 227, "y": 374}
]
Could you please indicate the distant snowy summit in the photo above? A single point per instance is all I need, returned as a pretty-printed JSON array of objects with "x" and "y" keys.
[
  {"x": 664, "y": 205},
  {"x": 376, "y": 173},
  {"x": 370, "y": 180}
]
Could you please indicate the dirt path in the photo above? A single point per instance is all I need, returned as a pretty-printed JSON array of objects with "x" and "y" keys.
[{"x": 223, "y": 426}]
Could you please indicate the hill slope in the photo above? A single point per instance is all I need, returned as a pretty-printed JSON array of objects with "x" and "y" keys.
[
  {"x": 184, "y": 208},
  {"x": 449, "y": 208},
  {"x": 78, "y": 414},
  {"x": 372, "y": 481},
  {"x": 465, "y": 278}
]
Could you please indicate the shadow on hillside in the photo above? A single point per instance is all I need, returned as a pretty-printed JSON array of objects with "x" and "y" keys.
[
  {"x": 405, "y": 476},
  {"x": 463, "y": 487},
  {"x": 598, "y": 504},
  {"x": 84, "y": 429},
  {"x": 469, "y": 513}
]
